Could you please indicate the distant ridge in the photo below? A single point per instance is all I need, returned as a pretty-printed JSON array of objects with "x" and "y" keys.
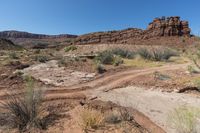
[{"x": 22, "y": 34}]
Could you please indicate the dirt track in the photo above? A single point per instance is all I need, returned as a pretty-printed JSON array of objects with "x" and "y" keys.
[
  {"x": 104, "y": 83},
  {"x": 109, "y": 82},
  {"x": 103, "y": 86}
]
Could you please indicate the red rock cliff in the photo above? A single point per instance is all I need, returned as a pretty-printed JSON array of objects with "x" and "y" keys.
[{"x": 160, "y": 27}]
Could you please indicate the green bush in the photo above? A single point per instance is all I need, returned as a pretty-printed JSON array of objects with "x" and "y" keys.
[
  {"x": 100, "y": 68},
  {"x": 124, "y": 53},
  {"x": 117, "y": 61},
  {"x": 105, "y": 57},
  {"x": 145, "y": 53},
  {"x": 70, "y": 48},
  {"x": 159, "y": 54},
  {"x": 167, "y": 53}
]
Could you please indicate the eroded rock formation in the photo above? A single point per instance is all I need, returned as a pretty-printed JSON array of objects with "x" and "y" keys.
[
  {"x": 109, "y": 37},
  {"x": 160, "y": 27},
  {"x": 171, "y": 26}
]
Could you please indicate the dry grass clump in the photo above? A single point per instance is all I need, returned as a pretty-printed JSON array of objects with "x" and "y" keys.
[
  {"x": 70, "y": 48},
  {"x": 185, "y": 119},
  {"x": 91, "y": 119}
]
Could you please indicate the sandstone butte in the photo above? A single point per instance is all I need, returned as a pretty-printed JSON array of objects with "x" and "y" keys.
[{"x": 160, "y": 27}]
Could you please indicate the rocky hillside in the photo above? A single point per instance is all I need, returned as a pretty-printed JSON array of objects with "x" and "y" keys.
[
  {"x": 8, "y": 45},
  {"x": 19, "y": 34},
  {"x": 160, "y": 27}
]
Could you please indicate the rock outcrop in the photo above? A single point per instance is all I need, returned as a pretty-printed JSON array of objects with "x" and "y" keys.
[
  {"x": 170, "y": 26},
  {"x": 160, "y": 27},
  {"x": 109, "y": 37}
]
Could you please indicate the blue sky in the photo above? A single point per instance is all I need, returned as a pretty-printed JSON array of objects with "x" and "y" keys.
[{"x": 84, "y": 16}]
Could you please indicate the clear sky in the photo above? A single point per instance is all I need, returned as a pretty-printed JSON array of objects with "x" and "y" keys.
[{"x": 84, "y": 16}]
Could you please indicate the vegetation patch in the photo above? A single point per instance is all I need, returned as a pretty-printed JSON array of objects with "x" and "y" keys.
[
  {"x": 70, "y": 48},
  {"x": 160, "y": 76},
  {"x": 114, "y": 57},
  {"x": 124, "y": 53},
  {"x": 156, "y": 54},
  {"x": 41, "y": 58},
  {"x": 91, "y": 119},
  {"x": 100, "y": 68},
  {"x": 105, "y": 57},
  {"x": 26, "y": 111},
  {"x": 185, "y": 119},
  {"x": 141, "y": 63},
  {"x": 13, "y": 55}
]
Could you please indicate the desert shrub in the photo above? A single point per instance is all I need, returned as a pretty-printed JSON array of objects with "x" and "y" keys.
[
  {"x": 77, "y": 58},
  {"x": 91, "y": 118},
  {"x": 159, "y": 54},
  {"x": 70, "y": 48},
  {"x": 124, "y": 53},
  {"x": 125, "y": 114},
  {"x": 105, "y": 57},
  {"x": 26, "y": 110},
  {"x": 37, "y": 51},
  {"x": 13, "y": 55},
  {"x": 195, "y": 57},
  {"x": 196, "y": 83},
  {"x": 167, "y": 53},
  {"x": 62, "y": 62},
  {"x": 41, "y": 58},
  {"x": 160, "y": 76},
  {"x": 184, "y": 119},
  {"x": 100, "y": 68},
  {"x": 192, "y": 69},
  {"x": 117, "y": 61},
  {"x": 145, "y": 53},
  {"x": 113, "y": 117}
]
